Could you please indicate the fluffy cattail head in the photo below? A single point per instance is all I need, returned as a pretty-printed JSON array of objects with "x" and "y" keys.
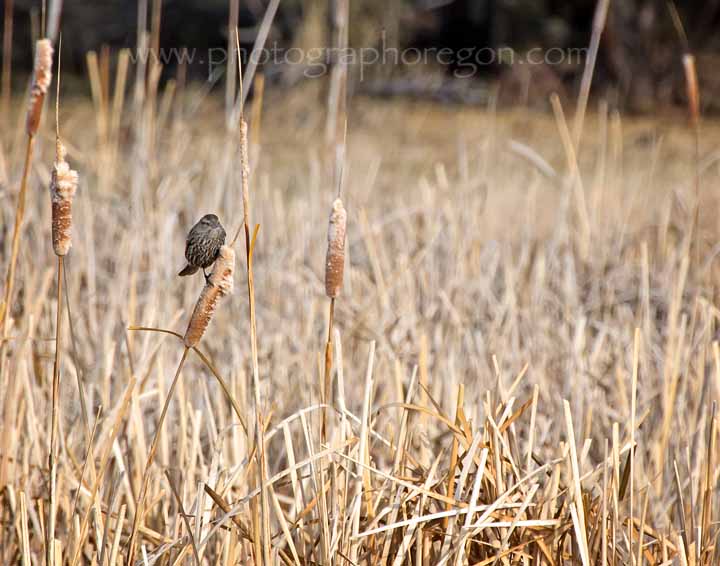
[
  {"x": 63, "y": 185},
  {"x": 42, "y": 75},
  {"x": 219, "y": 284},
  {"x": 335, "y": 259},
  {"x": 222, "y": 273}
]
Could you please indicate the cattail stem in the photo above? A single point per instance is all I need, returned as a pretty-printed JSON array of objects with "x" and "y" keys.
[
  {"x": 326, "y": 400},
  {"x": 62, "y": 188},
  {"x": 327, "y": 396},
  {"x": 52, "y": 458},
  {"x": 262, "y": 543},
  {"x": 223, "y": 384},
  {"x": 139, "y": 509},
  {"x": 19, "y": 215},
  {"x": 7, "y": 61},
  {"x": 693, "y": 94},
  {"x": 78, "y": 369},
  {"x": 41, "y": 81},
  {"x": 334, "y": 269}
]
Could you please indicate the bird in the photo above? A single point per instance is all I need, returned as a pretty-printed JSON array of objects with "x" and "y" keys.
[{"x": 203, "y": 245}]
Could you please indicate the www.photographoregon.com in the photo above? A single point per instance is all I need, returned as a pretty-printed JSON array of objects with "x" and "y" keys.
[{"x": 465, "y": 62}]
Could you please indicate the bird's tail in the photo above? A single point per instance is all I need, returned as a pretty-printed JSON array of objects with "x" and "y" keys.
[{"x": 188, "y": 270}]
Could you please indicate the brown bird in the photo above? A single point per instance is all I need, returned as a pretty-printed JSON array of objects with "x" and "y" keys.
[{"x": 203, "y": 245}]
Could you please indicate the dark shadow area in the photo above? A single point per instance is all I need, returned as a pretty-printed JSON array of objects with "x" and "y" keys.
[{"x": 639, "y": 63}]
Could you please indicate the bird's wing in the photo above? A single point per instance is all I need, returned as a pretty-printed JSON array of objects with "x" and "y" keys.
[{"x": 188, "y": 270}]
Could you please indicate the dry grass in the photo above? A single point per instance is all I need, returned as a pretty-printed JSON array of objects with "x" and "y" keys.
[{"x": 514, "y": 318}]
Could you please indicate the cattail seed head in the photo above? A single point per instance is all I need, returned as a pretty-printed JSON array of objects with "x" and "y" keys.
[
  {"x": 219, "y": 284},
  {"x": 42, "y": 75},
  {"x": 63, "y": 185},
  {"x": 222, "y": 274},
  {"x": 335, "y": 258},
  {"x": 693, "y": 88}
]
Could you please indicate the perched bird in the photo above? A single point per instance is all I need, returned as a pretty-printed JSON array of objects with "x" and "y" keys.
[{"x": 203, "y": 245}]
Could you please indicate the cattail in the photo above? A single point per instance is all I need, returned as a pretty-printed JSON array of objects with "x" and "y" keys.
[
  {"x": 335, "y": 259},
  {"x": 41, "y": 81},
  {"x": 693, "y": 89},
  {"x": 63, "y": 185},
  {"x": 219, "y": 284}
]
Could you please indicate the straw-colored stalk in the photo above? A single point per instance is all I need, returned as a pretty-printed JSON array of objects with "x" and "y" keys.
[
  {"x": 261, "y": 520},
  {"x": 598, "y": 26},
  {"x": 693, "y": 93},
  {"x": 337, "y": 92},
  {"x": 41, "y": 81},
  {"x": 63, "y": 185},
  {"x": 7, "y": 60},
  {"x": 55, "y": 416},
  {"x": 219, "y": 284}
]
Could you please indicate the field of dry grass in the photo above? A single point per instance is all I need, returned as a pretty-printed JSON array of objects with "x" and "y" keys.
[{"x": 516, "y": 316}]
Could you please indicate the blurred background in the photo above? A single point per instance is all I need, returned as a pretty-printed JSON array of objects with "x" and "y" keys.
[{"x": 451, "y": 50}]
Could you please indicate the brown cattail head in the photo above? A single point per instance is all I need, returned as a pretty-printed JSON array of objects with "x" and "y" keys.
[
  {"x": 42, "y": 75},
  {"x": 63, "y": 185},
  {"x": 335, "y": 259},
  {"x": 219, "y": 284}
]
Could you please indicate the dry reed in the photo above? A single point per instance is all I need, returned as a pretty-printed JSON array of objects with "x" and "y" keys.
[
  {"x": 42, "y": 75},
  {"x": 7, "y": 61},
  {"x": 261, "y": 517},
  {"x": 63, "y": 185}
]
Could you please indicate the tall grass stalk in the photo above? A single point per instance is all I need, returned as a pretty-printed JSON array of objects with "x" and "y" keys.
[
  {"x": 42, "y": 75},
  {"x": 693, "y": 94},
  {"x": 140, "y": 505},
  {"x": 52, "y": 458},
  {"x": 262, "y": 542},
  {"x": 7, "y": 61},
  {"x": 63, "y": 185}
]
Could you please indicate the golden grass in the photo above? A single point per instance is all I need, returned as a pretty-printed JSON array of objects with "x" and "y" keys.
[{"x": 524, "y": 356}]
